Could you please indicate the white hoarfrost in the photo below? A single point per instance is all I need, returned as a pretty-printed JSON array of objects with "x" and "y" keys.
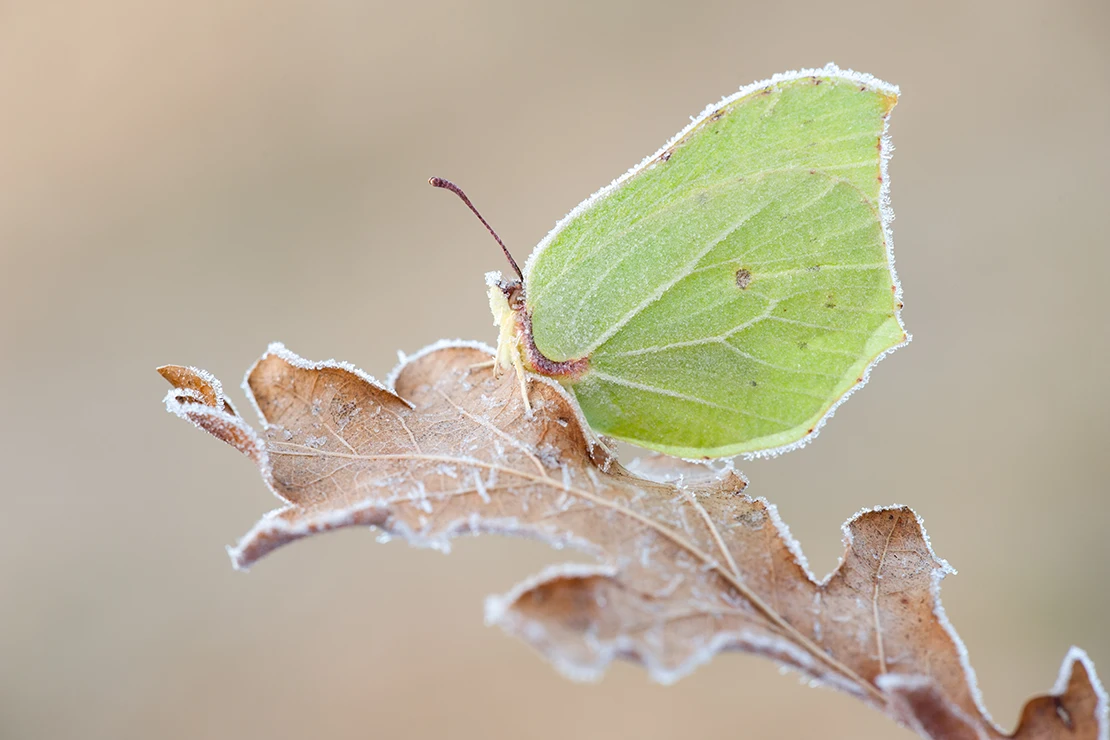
[
  {"x": 942, "y": 569},
  {"x": 896, "y": 684},
  {"x": 788, "y": 539},
  {"x": 592, "y": 440},
  {"x": 194, "y": 412},
  {"x": 403, "y": 359},
  {"x": 1102, "y": 707},
  {"x": 499, "y": 612},
  {"x": 277, "y": 349}
]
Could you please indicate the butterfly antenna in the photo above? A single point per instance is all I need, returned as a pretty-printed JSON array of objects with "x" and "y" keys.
[{"x": 439, "y": 182}]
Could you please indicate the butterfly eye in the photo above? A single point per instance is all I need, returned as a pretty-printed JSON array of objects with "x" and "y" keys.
[{"x": 514, "y": 294}]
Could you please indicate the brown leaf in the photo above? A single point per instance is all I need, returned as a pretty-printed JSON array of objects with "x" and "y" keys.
[
  {"x": 198, "y": 397},
  {"x": 687, "y": 564}
]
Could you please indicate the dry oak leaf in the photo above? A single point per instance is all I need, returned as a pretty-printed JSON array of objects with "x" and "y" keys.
[{"x": 687, "y": 565}]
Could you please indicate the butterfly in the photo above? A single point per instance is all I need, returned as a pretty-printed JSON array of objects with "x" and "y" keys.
[{"x": 725, "y": 295}]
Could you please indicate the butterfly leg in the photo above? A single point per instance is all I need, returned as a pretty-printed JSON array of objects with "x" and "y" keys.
[{"x": 521, "y": 375}]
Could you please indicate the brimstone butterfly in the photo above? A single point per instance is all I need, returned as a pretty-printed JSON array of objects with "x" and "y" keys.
[{"x": 725, "y": 295}]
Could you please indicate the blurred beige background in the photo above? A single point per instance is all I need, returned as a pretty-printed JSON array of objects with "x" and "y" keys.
[{"x": 185, "y": 182}]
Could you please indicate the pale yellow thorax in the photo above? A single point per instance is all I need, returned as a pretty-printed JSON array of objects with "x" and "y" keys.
[{"x": 508, "y": 341}]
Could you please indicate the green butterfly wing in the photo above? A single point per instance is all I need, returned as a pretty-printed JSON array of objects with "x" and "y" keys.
[{"x": 732, "y": 290}]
